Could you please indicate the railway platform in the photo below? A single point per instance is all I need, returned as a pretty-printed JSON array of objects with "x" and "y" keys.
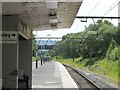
[{"x": 52, "y": 75}]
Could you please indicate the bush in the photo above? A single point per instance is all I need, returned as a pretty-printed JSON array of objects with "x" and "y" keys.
[
  {"x": 112, "y": 52},
  {"x": 114, "y": 55}
]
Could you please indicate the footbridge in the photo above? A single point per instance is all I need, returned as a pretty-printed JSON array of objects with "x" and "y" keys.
[{"x": 46, "y": 43}]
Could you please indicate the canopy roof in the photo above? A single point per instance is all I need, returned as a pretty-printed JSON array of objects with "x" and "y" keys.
[{"x": 44, "y": 15}]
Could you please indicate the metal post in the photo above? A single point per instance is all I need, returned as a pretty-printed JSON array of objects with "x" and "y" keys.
[
  {"x": 36, "y": 63},
  {"x": 36, "y": 55},
  {"x": 41, "y": 55},
  {"x": 41, "y": 61}
]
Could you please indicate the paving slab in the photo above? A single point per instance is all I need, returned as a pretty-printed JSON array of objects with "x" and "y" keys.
[
  {"x": 52, "y": 75},
  {"x": 46, "y": 76}
]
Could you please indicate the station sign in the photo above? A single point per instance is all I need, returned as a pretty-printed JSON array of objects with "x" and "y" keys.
[{"x": 8, "y": 36}]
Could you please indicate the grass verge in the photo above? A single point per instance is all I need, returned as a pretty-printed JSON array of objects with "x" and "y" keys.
[
  {"x": 105, "y": 68},
  {"x": 33, "y": 59}
]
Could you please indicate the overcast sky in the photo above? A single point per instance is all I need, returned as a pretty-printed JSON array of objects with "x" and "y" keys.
[{"x": 88, "y": 8}]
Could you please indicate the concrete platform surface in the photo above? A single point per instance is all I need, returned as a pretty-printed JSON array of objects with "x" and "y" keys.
[{"x": 52, "y": 75}]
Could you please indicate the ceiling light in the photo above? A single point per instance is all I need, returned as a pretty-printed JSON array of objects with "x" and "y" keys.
[
  {"x": 51, "y": 4},
  {"x": 53, "y": 24},
  {"x": 53, "y": 21}
]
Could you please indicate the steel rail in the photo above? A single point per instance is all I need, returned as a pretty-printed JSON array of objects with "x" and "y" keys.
[{"x": 97, "y": 87}]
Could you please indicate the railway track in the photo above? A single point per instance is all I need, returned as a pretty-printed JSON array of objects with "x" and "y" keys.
[{"x": 82, "y": 82}]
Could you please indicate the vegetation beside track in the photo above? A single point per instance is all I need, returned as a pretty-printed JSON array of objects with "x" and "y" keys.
[
  {"x": 105, "y": 68},
  {"x": 97, "y": 49}
]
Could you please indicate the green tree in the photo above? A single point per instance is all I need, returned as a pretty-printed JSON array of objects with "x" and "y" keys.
[
  {"x": 94, "y": 41},
  {"x": 34, "y": 45}
]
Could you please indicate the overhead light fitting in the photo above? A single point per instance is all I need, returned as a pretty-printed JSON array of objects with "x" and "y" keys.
[
  {"x": 53, "y": 24},
  {"x": 53, "y": 21},
  {"x": 51, "y": 4},
  {"x": 52, "y": 12}
]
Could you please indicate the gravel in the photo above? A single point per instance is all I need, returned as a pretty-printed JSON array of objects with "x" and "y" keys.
[{"x": 102, "y": 83}]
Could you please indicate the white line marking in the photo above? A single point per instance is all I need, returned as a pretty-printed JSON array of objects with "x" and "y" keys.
[{"x": 51, "y": 82}]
